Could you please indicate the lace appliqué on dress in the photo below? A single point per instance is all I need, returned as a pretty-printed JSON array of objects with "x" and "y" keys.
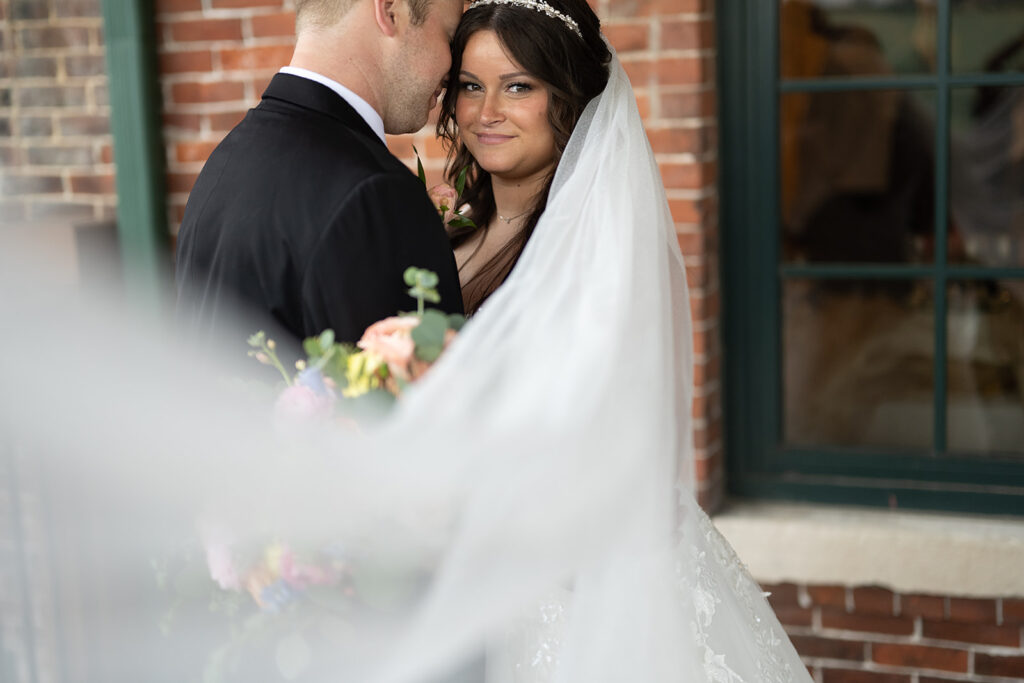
[
  {"x": 537, "y": 642},
  {"x": 772, "y": 667},
  {"x": 703, "y": 596}
]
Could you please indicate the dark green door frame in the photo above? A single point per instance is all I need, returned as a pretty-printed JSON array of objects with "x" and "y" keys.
[
  {"x": 129, "y": 34},
  {"x": 759, "y": 463}
]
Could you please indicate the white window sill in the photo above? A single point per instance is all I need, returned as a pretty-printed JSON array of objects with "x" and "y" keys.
[{"x": 908, "y": 552}]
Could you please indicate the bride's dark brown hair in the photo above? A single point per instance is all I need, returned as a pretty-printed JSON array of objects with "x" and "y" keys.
[{"x": 574, "y": 69}]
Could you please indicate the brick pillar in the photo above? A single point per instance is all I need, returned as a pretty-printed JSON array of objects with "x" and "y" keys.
[
  {"x": 668, "y": 50},
  {"x": 56, "y": 158}
]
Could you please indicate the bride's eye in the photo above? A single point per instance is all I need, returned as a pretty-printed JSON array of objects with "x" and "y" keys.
[
  {"x": 469, "y": 86},
  {"x": 519, "y": 88}
]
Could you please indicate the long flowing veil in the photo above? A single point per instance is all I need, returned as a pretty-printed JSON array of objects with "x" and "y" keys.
[{"x": 526, "y": 514}]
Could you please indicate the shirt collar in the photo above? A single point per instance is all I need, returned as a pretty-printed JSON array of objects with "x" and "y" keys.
[{"x": 361, "y": 106}]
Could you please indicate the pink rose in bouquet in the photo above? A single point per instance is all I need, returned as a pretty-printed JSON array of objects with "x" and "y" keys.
[
  {"x": 445, "y": 197},
  {"x": 299, "y": 403},
  {"x": 391, "y": 340},
  {"x": 222, "y": 567}
]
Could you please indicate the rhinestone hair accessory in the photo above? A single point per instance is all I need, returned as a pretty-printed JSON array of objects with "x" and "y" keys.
[{"x": 538, "y": 5}]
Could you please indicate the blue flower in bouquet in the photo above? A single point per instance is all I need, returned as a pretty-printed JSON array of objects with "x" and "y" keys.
[
  {"x": 276, "y": 596},
  {"x": 313, "y": 379}
]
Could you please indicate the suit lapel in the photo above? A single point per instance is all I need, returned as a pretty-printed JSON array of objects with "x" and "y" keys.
[{"x": 308, "y": 94}]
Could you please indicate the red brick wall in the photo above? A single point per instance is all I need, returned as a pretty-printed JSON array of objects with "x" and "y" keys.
[
  {"x": 55, "y": 146},
  {"x": 872, "y": 635},
  {"x": 216, "y": 58}
]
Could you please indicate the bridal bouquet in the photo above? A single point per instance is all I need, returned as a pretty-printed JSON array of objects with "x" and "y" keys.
[
  {"x": 392, "y": 353},
  {"x": 278, "y": 595}
]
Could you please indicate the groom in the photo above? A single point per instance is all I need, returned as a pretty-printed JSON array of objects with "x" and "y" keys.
[{"x": 301, "y": 218}]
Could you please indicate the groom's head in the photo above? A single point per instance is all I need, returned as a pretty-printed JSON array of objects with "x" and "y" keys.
[
  {"x": 393, "y": 53},
  {"x": 324, "y": 13}
]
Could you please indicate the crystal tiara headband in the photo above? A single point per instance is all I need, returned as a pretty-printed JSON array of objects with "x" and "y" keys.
[{"x": 538, "y": 5}]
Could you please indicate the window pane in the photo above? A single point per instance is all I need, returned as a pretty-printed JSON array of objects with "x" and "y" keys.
[
  {"x": 857, "y": 176},
  {"x": 836, "y": 38},
  {"x": 987, "y": 35},
  {"x": 987, "y": 175},
  {"x": 986, "y": 366},
  {"x": 858, "y": 359}
]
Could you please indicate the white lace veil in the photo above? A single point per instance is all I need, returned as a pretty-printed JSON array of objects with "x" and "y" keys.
[{"x": 536, "y": 486}]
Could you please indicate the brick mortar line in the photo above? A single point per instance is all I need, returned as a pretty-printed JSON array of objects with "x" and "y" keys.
[
  {"x": 702, "y": 193},
  {"x": 212, "y": 77},
  {"x": 226, "y": 76},
  {"x": 55, "y": 23},
  {"x": 686, "y": 157},
  {"x": 205, "y": 14},
  {"x": 48, "y": 82},
  {"x": 912, "y": 671},
  {"x": 606, "y": 18},
  {"x": 688, "y": 123},
  {"x": 909, "y": 639},
  {"x": 655, "y": 54},
  {"x": 703, "y": 326},
  {"x": 229, "y": 12},
  {"x": 173, "y": 46},
  {"x": 68, "y": 51},
  {"x": 877, "y": 668}
]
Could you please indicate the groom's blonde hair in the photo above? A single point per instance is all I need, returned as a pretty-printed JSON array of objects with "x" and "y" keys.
[{"x": 324, "y": 13}]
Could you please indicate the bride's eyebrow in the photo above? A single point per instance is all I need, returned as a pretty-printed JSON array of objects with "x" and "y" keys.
[{"x": 502, "y": 77}]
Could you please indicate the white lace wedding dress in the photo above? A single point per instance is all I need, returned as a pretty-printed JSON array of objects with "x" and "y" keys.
[{"x": 539, "y": 479}]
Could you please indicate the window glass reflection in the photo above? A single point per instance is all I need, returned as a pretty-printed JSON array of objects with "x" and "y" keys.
[
  {"x": 858, "y": 363},
  {"x": 857, "y": 176},
  {"x": 987, "y": 36},
  {"x": 985, "y": 412},
  {"x": 987, "y": 176},
  {"x": 836, "y": 38}
]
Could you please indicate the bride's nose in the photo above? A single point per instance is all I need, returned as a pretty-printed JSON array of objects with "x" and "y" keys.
[{"x": 492, "y": 111}]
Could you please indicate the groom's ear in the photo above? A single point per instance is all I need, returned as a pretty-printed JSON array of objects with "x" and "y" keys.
[{"x": 384, "y": 11}]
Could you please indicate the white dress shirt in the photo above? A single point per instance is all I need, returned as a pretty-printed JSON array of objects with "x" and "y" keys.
[{"x": 361, "y": 106}]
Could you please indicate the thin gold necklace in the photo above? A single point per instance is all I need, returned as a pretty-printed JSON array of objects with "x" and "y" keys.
[{"x": 509, "y": 220}]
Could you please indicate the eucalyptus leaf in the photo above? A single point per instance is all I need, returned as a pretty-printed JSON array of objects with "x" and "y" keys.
[
  {"x": 312, "y": 347},
  {"x": 456, "y": 321},
  {"x": 461, "y": 222},
  {"x": 410, "y": 276},
  {"x": 326, "y": 340},
  {"x": 460, "y": 182},
  {"x": 419, "y": 166},
  {"x": 429, "y": 335}
]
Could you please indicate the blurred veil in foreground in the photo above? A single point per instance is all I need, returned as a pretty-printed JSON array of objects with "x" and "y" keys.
[{"x": 525, "y": 513}]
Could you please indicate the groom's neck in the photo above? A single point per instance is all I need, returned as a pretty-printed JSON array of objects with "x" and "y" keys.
[{"x": 356, "y": 65}]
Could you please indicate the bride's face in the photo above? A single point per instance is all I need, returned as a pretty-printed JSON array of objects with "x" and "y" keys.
[{"x": 502, "y": 112}]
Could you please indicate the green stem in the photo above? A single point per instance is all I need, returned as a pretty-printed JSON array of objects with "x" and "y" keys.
[
  {"x": 277, "y": 364},
  {"x": 322, "y": 363}
]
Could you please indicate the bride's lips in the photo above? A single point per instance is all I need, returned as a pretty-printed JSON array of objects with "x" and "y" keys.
[{"x": 492, "y": 138}]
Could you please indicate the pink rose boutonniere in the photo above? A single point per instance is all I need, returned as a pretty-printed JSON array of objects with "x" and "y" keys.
[{"x": 446, "y": 198}]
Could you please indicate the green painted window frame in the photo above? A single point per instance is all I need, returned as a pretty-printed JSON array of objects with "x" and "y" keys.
[
  {"x": 136, "y": 124},
  {"x": 758, "y": 463}
]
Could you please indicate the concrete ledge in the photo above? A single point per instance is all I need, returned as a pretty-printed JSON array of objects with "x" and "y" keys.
[{"x": 908, "y": 552}]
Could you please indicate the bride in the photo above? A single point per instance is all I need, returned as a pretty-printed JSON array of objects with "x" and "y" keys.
[{"x": 537, "y": 482}]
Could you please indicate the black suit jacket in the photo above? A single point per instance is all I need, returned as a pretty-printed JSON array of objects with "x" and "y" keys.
[{"x": 303, "y": 220}]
